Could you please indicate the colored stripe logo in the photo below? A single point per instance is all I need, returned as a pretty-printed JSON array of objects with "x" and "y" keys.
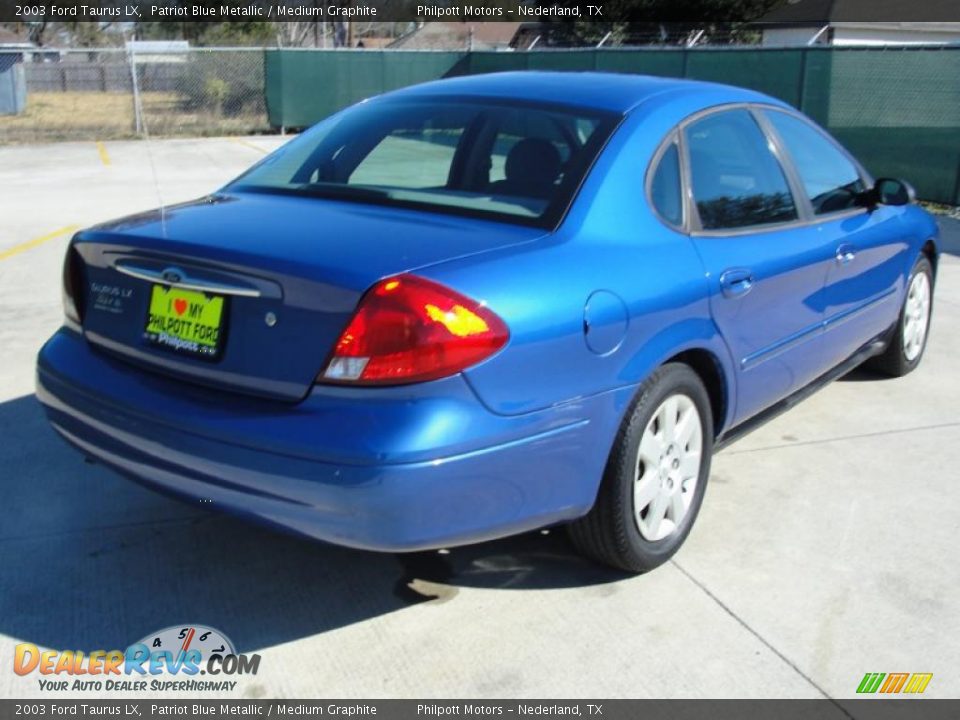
[{"x": 888, "y": 683}]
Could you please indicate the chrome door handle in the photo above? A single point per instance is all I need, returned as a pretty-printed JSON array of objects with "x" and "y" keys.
[
  {"x": 845, "y": 254},
  {"x": 736, "y": 282}
]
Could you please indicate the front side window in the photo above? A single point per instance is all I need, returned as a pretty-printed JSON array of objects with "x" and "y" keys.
[
  {"x": 830, "y": 179},
  {"x": 737, "y": 181},
  {"x": 512, "y": 162}
]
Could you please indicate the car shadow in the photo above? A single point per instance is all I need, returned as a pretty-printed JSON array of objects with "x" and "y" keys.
[
  {"x": 864, "y": 374},
  {"x": 90, "y": 560},
  {"x": 949, "y": 235}
]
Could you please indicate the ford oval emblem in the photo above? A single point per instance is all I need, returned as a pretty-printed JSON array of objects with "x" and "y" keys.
[{"x": 172, "y": 275}]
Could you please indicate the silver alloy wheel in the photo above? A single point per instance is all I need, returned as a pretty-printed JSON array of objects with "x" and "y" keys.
[
  {"x": 668, "y": 468},
  {"x": 916, "y": 316}
]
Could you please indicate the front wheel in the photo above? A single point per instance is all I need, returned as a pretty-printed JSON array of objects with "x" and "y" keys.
[
  {"x": 909, "y": 340},
  {"x": 655, "y": 477}
]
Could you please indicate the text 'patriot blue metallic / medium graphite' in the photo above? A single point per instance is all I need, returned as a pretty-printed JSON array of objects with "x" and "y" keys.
[{"x": 486, "y": 305}]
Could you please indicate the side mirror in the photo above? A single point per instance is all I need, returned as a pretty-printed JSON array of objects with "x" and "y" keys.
[{"x": 891, "y": 191}]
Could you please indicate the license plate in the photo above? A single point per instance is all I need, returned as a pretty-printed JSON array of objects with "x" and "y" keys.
[{"x": 185, "y": 321}]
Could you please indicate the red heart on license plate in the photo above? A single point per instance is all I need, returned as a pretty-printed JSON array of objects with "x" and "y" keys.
[{"x": 180, "y": 306}]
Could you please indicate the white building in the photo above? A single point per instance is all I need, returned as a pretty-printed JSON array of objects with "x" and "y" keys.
[{"x": 840, "y": 23}]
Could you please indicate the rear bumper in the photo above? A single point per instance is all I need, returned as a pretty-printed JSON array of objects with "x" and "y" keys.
[{"x": 391, "y": 469}]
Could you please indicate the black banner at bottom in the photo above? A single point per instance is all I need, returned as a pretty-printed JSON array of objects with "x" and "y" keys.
[{"x": 868, "y": 709}]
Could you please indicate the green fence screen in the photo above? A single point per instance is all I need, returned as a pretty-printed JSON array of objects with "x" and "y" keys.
[
  {"x": 304, "y": 86},
  {"x": 897, "y": 109}
]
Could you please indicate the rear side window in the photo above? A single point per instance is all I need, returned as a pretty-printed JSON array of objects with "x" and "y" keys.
[
  {"x": 737, "y": 180},
  {"x": 665, "y": 186},
  {"x": 830, "y": 180}
]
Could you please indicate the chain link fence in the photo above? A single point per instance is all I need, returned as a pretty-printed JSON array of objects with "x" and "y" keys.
[
  {"x": 897, "y": 108},
  {"x": 115, "y": 94}
]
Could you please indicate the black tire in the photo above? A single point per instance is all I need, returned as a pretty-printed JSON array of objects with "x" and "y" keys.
[
  {"x": 609, "y": 533},
  {"x": 893, "y": 361}
]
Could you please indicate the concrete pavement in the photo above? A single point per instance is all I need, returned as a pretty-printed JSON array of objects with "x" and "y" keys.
[{"x": 825, "y": 548}]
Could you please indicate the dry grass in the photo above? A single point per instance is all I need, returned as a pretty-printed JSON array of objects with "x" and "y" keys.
[
  {"x": 58, "y": 116},
  {"x": 951, "y": 211},
  {"x": 110, "y": 116}
]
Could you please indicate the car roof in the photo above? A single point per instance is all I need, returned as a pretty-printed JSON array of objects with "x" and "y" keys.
[{"x": 611, "y": 92}]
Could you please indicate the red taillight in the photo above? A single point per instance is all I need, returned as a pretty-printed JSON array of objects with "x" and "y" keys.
[{"x": 408, "y": 329}]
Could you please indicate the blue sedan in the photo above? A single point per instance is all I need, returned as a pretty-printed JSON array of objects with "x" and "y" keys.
[{"x": 489, "y": 304}]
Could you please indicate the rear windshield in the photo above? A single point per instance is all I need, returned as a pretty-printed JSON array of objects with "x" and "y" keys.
[{"x": 521, "y": 163}]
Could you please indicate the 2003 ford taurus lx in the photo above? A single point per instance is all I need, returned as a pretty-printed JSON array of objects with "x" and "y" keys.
[{"x": 489, "y": 304}]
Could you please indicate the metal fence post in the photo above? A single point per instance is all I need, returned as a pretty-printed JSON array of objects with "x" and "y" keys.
[
  {"x": 802, "y": 80},
  {"x": 137, "y": 119},
  {"x": 956, "y": 188}
]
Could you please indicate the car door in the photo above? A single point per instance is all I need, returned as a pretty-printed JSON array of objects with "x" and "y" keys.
[
  {"x": 860, "y": 297},
  {"x": 766, "y": 267}
]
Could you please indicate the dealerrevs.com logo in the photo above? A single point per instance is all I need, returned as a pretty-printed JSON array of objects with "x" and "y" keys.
[{"x": 188, "y": 658}]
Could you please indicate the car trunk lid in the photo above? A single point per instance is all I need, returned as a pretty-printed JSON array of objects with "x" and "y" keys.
[{"x": 278, "y": 277}]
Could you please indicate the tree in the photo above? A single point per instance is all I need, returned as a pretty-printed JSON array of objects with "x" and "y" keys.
[
  {"x": 666, "y": 22},
  {"x": 227, "y": 33}
]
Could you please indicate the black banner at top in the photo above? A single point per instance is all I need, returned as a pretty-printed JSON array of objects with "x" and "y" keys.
[{"x": 782, "y": 12}]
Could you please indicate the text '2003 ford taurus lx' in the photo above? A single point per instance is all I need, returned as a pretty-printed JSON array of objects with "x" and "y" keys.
[{"x": 489, "y": 304}]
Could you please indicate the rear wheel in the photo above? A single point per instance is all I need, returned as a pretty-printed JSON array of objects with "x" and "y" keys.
[
  {"x": 909, "y": 340},
  {"x": 655, "y": 477}
]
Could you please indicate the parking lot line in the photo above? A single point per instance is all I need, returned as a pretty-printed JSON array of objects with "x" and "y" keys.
[
  {"x": 29, "y": 244},
  {"x": 104, "y": 155},
  {"x": 241, "y": 141}
]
